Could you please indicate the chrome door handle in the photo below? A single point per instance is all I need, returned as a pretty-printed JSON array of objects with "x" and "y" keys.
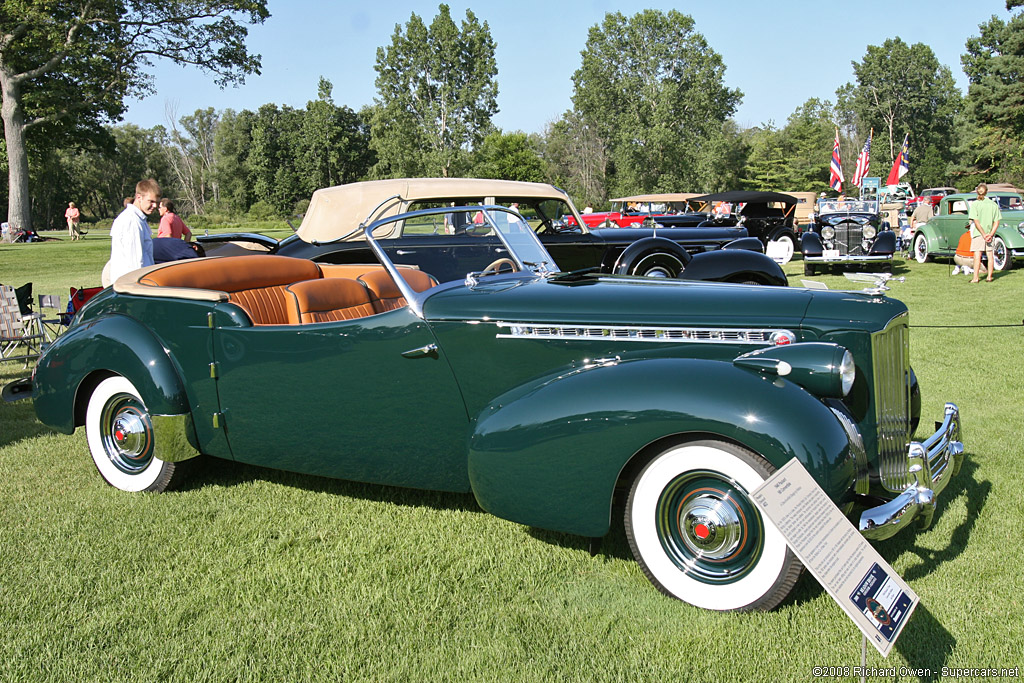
[{"x": 422, "y": 352}]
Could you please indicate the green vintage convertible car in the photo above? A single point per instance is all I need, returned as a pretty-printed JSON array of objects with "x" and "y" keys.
[
  {"x": 939, "y": 236},
  {"x": 550, "y": 395}
]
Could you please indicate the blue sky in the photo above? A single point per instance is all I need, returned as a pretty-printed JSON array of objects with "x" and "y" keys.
[{"x": 778, "y": 54}]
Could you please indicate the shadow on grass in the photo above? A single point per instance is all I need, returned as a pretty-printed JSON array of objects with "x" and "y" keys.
[
  {"x": 19, "y": 423},
  {"x": 975, "y": 493},
  {"x": 925, "y": 643},
  {"x": 209, "y": 471}
]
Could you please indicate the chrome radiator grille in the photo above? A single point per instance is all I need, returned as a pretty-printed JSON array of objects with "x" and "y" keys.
[
  {"x": 890, "y": 353},
  {"x": 849, "y": 239}
]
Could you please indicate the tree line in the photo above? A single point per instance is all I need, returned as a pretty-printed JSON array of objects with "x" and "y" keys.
[{"x": 650, "y": 113}]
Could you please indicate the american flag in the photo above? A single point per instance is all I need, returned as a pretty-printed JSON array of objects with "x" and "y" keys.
[
  {"x": 862, "y": 162},
  {"x": 901, "y": 166},
  {"x": 835, "y": 179}
]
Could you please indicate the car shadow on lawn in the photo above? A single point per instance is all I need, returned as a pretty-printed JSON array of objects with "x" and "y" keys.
[
  {"x": 208, "y": 471},
  {"x": 975, "y": 495}
]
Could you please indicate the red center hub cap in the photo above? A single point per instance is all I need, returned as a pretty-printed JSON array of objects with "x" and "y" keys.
[{"x": 701, "y": 531}]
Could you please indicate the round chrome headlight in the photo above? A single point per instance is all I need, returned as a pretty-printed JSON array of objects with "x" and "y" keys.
[
  {"x": 1020, "y": 228},
  {"x": 847, "y": 372},
  {"x": 828, "y": 232},
  {"x": 869, "y": 232}
]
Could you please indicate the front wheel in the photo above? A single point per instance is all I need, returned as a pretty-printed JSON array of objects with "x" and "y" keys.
[
  {"x": 920, "y": 248},
  {"x": 121, "y": 439},
  {"x": 1001, "y": 257},
  {"x": 697, "y": 535}
]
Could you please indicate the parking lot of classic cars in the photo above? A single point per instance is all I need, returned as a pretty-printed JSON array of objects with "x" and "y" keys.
[{"x": 547, "y": 391}]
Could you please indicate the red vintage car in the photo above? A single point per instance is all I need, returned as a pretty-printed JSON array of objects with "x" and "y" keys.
[
  {"x": 629, "y": 211},
  {"x": 933, "y": 195}
]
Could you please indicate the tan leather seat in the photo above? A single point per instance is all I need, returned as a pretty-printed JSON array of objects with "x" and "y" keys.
[
  {"x": 256, "y": 283},
  {"x": 326, "y": 300},
  {"x": 385, "y": 294}
]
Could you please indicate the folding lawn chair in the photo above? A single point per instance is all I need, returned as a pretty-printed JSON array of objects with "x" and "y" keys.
[
  {"x": 53, "y": 326},
  {"x": 21, "y": 337}
]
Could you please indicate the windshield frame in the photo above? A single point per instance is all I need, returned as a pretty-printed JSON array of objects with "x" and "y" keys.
[{"x": 538, "y": 264}]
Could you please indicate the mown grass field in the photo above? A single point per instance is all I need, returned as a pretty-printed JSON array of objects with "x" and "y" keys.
[{"x": 249, "y": 574}]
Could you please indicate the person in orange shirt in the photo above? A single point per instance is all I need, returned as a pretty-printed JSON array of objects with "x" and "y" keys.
[
  {"x": 171, "y": 224},
  {"x": 964, "y": 257},
  {"x": 73, "y": 215}
]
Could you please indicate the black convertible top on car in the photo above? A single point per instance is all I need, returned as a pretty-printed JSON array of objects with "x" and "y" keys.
[{"x": 746, "y": 196}]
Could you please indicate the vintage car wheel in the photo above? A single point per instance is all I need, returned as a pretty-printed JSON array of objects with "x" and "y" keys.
[
  {"x": 783, "y": 248},
  {"x": 920, "y": 248},
  {"x": 697, "y": 535},
  {"x": 808, "y": 269},
  {"x": 120, "y": 435},
  {"x": 1001, "y": 257}
]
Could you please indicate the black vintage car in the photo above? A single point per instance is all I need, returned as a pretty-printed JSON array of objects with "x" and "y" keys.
[
  {"x": 848, "y": 231},
  {"x": 768, "y": 216},
  {"x": 330, "y": 233}
]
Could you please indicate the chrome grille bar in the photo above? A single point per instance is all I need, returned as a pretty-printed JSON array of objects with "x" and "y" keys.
[
  {"x": 639, "y": 334},
  {"x": 891, "y": 360}
]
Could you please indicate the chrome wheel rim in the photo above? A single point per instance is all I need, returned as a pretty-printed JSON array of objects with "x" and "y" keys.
[
  {"x": 127, "y": 434},
  {"x": 709, "y": 528}
]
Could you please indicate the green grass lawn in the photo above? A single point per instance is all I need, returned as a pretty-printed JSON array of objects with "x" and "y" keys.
[{"x": 250, "y": 574}]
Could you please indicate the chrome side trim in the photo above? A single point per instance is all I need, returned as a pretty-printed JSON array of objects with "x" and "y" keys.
[
  {"x": 700, "y": 335},
  {"x": 932, "y": 463}
]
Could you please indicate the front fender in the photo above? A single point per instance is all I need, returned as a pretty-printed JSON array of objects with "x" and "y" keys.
[
  {"x": 111, "y": 344},
  {"x": 811, "y": 245},
  {"x": 735, "y": 265},
  {"x": 549, "y": 454},
  {"x": 885, "y": 243}
]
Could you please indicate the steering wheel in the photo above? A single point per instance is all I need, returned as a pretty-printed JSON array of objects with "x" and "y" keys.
[{"x": 496, "y": 266}]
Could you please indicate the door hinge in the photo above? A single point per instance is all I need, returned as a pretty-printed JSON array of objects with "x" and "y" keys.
[
  {"x": 209, "y": 319},
  {"x": 218, "y": 420},
  {"x": 214, "y": 370}
]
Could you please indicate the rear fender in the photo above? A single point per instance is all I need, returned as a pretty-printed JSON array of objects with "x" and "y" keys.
[
  {"x": 735, "y": 265},
  {"x": 549, "y": 454},
  {"x": 104, "y": 346}
]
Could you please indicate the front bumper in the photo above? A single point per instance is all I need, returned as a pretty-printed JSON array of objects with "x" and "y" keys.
[
  {"x": 876, "y": 258},
  {"x": 932, "y": 462}
]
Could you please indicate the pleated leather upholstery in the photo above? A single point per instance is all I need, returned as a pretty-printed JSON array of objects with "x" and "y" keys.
[{"x": 326, "y": 300}]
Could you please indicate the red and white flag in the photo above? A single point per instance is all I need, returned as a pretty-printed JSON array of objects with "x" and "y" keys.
[
  {"x": 863, "y": 161},
  {"x": 835, "y": 179}
]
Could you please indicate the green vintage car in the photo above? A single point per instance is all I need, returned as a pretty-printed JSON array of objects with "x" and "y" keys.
[
  {"x": 939, "y": 236},
  {"x": 550, "y": 395}
]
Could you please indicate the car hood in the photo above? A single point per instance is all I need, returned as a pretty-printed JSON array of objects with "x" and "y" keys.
[{"x": 622, "y": 300}]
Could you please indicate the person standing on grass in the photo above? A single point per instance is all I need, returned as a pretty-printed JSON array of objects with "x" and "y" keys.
[
  {"x": 73, "y": 215},
  {"x": 171, "y": 224},
  {"x": 984, "y": 216},
  {"x": 131, "y": 240}
]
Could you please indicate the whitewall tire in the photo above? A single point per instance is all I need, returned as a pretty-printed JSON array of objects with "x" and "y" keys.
[
  {"x": 121, "y": 439},
  {"x": 697, "y": 535}
]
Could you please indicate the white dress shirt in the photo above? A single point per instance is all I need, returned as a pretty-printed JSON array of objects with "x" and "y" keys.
[{"x": 131, "y": 242}]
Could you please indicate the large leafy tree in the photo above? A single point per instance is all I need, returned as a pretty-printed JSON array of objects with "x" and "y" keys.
[
  {"x": 653, "y": 88},
  {"x": 334, "y": 143},
  {"x": 436, "y": 95},
  {"x": 509, "y": 156},
  {"x": 903, "y": 89},
  {"x": 994, "y": 124},
  {"x": 66, "y": 66},
  {"x": 577, "y": 158}
]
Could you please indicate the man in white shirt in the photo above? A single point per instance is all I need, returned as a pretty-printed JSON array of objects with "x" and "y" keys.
[{"x": 131, "y": 240}]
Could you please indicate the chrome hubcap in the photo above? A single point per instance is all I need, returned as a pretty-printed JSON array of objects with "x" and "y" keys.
[
  {"x": 711, "y": 527},
  {"x": 127, "y": 434}
]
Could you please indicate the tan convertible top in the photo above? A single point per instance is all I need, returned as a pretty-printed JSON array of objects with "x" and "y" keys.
[
  {"x": 667, "y": 197},
  {"x": 337, "y": 211}
]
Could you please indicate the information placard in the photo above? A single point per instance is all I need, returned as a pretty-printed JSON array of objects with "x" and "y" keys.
[{"x": 873, "y": 595}]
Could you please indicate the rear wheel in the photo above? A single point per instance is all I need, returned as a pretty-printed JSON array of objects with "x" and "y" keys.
[
  {"x": 697, "y": 535},
  {"x": 920, "y": 248},
  {"x": 1001, "y": 257},
  {"x": 121, "y": 439}
]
